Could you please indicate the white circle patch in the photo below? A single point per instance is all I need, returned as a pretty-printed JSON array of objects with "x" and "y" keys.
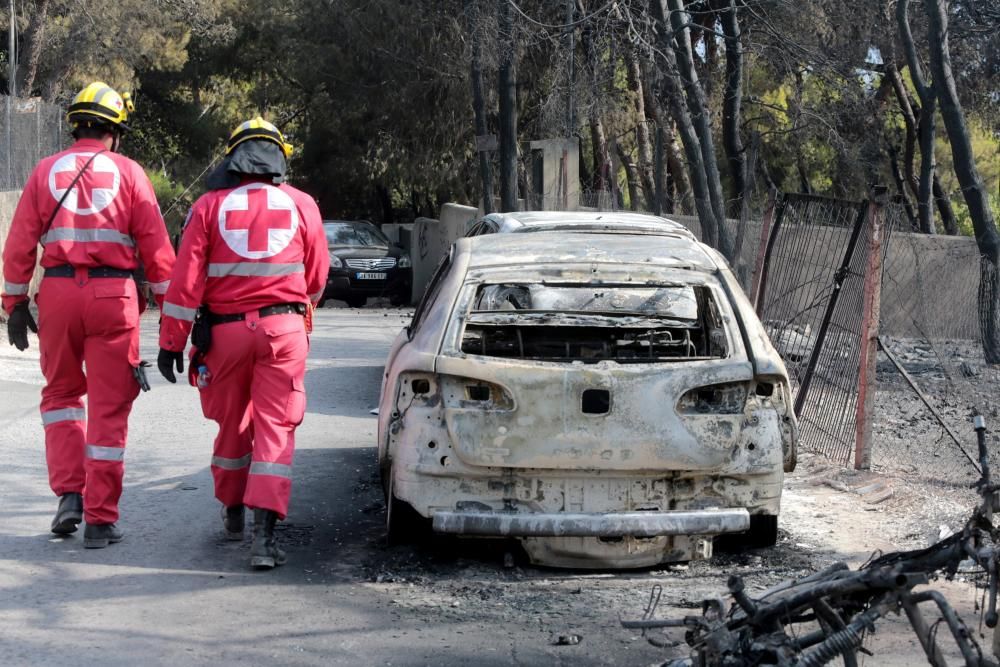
[
  {"x": 94, "y": 191},
  {"x": 258, "y": 220}
]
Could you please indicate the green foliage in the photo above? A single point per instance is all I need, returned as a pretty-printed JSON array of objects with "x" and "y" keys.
[{"x": 172, "y": 198}]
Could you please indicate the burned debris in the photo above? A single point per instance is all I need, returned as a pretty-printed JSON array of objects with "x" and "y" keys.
[{"x": 589, "y": 323}]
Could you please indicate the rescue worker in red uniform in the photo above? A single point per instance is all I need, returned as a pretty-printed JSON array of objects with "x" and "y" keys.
[
  {"x": 252, "y": 263},
  {"x": 91, "y": 209}
]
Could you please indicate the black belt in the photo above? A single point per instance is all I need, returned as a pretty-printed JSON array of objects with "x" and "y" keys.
[
  {"x": 267, "y": 311},
  {"x": 67, "y": 271}
]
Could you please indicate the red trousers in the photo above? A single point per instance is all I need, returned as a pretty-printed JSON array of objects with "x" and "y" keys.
[
  {"x": 257, "y": 396},
  {"x": 93, "y": 322}
]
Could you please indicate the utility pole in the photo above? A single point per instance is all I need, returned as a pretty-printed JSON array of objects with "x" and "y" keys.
[
  {"x": 571, "y": 74},
  {"x": 508, "y": 110},
  {"x": 11, "y": 92}
]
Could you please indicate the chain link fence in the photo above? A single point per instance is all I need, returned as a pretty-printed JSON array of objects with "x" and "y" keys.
[
  {"x": 31, "y": 129},
  {"x": 932, "y": 372}
]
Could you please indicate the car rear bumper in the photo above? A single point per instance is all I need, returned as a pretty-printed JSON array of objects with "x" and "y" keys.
[{"x": 611, "y": 524}]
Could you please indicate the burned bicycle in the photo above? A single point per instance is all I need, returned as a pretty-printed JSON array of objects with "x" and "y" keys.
[{"x": 735, "y": 629}]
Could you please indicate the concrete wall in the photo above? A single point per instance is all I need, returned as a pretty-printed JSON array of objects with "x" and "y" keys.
[
  {"x": 8, "y": 202},
  {"x": 432, "y": 238}
]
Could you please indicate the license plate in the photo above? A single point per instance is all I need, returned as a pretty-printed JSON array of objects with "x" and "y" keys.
[{"x": 371, "y": 276}]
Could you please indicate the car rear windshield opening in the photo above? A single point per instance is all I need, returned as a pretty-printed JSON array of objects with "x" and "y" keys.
[{"x": 623, "y": 323}]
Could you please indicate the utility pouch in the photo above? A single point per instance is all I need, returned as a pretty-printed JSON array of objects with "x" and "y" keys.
[
  {"x": 201, "y": 331},
  {"x": 139, "y": 373}
]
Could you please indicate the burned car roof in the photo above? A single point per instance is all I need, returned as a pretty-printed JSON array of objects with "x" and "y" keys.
[
  {"x": 528, "y": 221},
  {"x": 557, "y": 247}
]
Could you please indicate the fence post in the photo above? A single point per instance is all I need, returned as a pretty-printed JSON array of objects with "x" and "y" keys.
[{"x": 872, "y": 296}]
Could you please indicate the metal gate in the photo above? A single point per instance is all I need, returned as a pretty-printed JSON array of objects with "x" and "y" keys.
[{"x": 817, "y": 297}]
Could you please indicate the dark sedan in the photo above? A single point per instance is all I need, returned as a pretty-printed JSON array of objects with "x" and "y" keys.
[{"x": 365, "y": 264}]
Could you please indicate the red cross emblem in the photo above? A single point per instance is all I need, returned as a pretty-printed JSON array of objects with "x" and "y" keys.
[
  {"x": 257, "y": 220},
  {"x": 94, "y": 191}
]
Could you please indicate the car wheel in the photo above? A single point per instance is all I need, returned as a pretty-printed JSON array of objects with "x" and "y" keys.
[
  {"x": 403, "y": 525},
  {"x": 356, "y": 301},
  {"x": 397, "y": 299}
]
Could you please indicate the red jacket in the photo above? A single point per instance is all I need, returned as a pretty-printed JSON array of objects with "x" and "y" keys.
[
  {"x": 109, "y": 214},
  {"x": 243, "y": 249}
]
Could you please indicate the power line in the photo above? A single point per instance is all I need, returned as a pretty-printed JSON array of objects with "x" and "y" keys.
[{"x": 562, "y": 26}]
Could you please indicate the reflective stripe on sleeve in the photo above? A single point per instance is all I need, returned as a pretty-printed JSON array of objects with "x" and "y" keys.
[
  {"x": 180, "y": 312},
  {"x": 101, "y": 453},
  {"x": 15, "y": 289},
  {"x": 231, "y": 464},
  {"x": 87, "y": 236},
  {"x": 63, "y": 415},
  {"x": 276, "y": 469},
  {"x": 159, "y": 288},
  {"x": 253, "y": 269}
]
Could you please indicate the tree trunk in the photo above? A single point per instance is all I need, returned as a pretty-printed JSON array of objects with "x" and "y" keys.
[
  {"x": 631, "y": 176},
  {"x": 702, "y": 122},
  {"x": 944, "y": 207},
  {"x": 36, "y": 39},
  {"x": 987, "y": 237},
  {"x": 731, "y": 108},
  {"x": 508, "y": 111},
  {"x": 672, "y": 173},
  {"x": 901, "y": 188},
  {"x": 643, "y": 139},
  {"x": 673, "y": 97},
  {"x": 925, "y": 122},
  {"x": 910, "y": 125},
  {"x": 602, "y": 158},
  {"x": 478, "y": 101}
]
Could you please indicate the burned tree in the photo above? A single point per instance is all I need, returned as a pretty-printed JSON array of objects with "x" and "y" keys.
[{"x": 987, "y": 237}]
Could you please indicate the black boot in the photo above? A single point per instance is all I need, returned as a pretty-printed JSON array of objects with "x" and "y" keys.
[
  {"x": 264, "y": 553},
  {"x": 69, "y": 515},
  {"x": 232, "y": 522},
  {"x": 98, "y": 536}
]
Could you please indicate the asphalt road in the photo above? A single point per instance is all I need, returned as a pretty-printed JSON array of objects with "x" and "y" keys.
[{"x": 174, "y": 592}]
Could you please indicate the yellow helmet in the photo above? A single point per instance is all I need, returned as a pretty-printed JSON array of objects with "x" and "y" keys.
[
  {"x": 99, "y": 103},
  {"x": 258, "y": 128}
]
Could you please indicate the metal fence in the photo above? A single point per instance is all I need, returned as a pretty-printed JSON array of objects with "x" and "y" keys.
[
  {"x": 932, "y": 372},
  {"x": 882, "y": 340},
  {"x": 813, "y": 299},
  {"x": 31, "y": 129}
]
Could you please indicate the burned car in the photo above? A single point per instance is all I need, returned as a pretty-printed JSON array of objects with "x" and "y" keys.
[
  {"x": 609, "y": 400},
  {"x": 619, "y": 222}
]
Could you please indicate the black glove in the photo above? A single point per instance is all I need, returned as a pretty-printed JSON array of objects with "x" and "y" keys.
[
  {"x": 165, "y": 362},
  {"x": 18, "y": 323}
]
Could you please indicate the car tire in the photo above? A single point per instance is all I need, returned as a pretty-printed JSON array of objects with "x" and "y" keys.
[
  {"x": 403, "y": 524},
  {"x": 763, "y": 531},
  {"x": 397, "y": 299},
  {"x": 356, "y": 301}
]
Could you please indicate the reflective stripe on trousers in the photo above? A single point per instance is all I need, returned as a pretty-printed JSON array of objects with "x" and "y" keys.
[
  {"x": 276, "y": 469},
  {"x": 101, "y": 453},
  {"x": 231, "y": 464},
  {"x": 63, "y": 415}
]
